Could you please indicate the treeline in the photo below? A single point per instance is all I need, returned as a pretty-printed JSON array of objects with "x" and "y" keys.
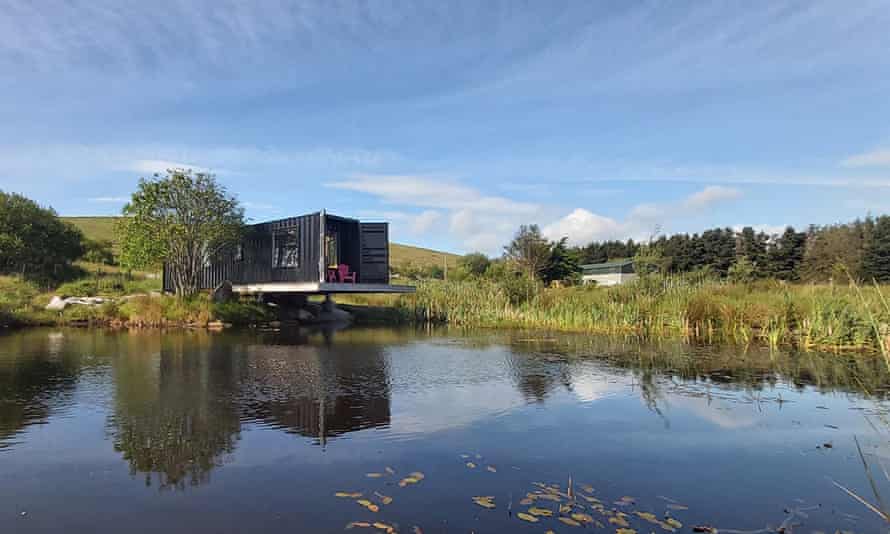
[{"x": 860, "y": 249}]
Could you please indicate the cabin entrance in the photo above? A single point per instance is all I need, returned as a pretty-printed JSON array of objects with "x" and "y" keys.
[{"x": 341, "y": 246}]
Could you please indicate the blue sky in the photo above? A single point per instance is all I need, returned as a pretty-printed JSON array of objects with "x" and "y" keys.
[{"x": 458, "y": 121}]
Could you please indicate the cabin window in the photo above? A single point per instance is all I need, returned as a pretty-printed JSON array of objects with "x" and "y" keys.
[
  {"x": 286, "y": 249},
  {"x": 239, "y": 252}
]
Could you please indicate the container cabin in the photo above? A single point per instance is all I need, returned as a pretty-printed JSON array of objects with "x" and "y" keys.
[
  {"x": 608, "y": 274},
  {"x": 318, "y": 253}
]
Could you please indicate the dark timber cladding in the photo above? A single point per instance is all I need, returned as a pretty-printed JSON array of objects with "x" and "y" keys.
[{"x": 301, "y": 249}]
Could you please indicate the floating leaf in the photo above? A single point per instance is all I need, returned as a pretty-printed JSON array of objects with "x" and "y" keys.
[
  {"x": 408, "y": 480},
  {"x": 343, "y": 494},
  {"x": 416, "y": 530},
  {"x": 677, "y": 507},
  {"x": 565, "y": 509},
  {"x": 384, "y": 526},
  {"x": 625, "y": 531},
  {"x": 666, "y": 526},
  {"x": 385, "y": 499},
  {"x": 587, "y": 487},
  {"x": 704, "y": 528},
  {"x": 549, "y": 532},
  {"x": 673, "y": 522},
  {"x": 359, "y": 524},
  {"x": 491, "y": 468},
  {"x": 648, "y": 516},
  {"x": 569, "y": 521},
  {"x": 369, "y": 505},
  {"x": 582, "y": 518},
  {"x": 471, "y": 465},
  {"x": 619, "y": 520},
  {"x": 464, "y": 456},
  {"x": 374, "y": 475},
  {"x": 478, "y": 456},
  {"x": 526, "y": 501},
  {"x": 628, "y": 500},
  {"x": 527, "y": 517},
  {"x": 543, "y": 512},
  {"x": 484, "y": 501},
  {"x": 390, "y": 470},
  {"x": 417, "y": 474},
  {"x": 592, "y": 500}
]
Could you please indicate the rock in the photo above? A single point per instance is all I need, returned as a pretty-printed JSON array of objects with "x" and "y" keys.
[
  {"x": 305, "y": 316},
  {"x": 56, "y": 304},
  {"x": 223, "y": 292}
]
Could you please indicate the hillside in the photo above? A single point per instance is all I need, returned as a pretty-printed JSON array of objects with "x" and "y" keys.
[{"x": 102, "y": 228}]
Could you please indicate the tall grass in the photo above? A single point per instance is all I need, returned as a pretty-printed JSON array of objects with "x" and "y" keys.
[{"x": 807, "y": 316}]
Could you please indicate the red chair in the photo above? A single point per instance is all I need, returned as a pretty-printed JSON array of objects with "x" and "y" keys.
[{"x": 345, "y": 275}]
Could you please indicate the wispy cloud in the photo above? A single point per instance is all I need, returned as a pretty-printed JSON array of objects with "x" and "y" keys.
[
  {"x": 873, "y": 158},
  {"x": 477, "y": 220}
]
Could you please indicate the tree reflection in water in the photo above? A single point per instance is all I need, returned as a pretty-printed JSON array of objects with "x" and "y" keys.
[{"x": 175, "y": 413}]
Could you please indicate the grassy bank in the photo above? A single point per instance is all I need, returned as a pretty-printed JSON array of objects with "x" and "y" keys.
[
  {"x": 22, "y": 304},
  {"x": 807, "y": 316}
]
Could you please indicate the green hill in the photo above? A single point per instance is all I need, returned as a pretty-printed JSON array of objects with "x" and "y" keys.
[{"x": 102, "y": 228}]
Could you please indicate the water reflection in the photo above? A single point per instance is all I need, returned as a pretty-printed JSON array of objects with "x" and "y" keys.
[
  {"x": 175, "y": 413},
  {"x": 318, "y": 390}
]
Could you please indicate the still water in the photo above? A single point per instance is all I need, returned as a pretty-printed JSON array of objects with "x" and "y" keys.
[{"x": 251, "y": 431}]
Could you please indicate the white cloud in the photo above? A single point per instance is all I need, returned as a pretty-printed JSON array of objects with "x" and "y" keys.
[
  {"x": 710, "y": 195},
  {"x": 159, "y": 166},
  {"x": 582, "y": 227},
  {"x": 768, "y": 229},
  {"x": 874, "y": 158},
  {"x": 476, "y": 220}
]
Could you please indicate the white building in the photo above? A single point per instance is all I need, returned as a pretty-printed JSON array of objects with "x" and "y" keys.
[{"x": 608, "y": 274}]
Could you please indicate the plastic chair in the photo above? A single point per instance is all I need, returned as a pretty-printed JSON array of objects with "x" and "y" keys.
[{"x": 345, "y": 275}]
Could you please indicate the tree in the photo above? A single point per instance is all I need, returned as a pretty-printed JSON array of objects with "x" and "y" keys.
[
  {"x": 876, "y": 255},
  {"x": 529, "y": 250},
  {"x": 34, "y": 242},
  {"x": 184, "y": 220},
  {"x": 742, "y": 271},
  {"x": 562, "y": 263},
  {"x": 785, "y": 256},
  {"x": 475, "y": 263}
]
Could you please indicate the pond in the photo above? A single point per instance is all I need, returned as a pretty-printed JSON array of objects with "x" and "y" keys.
[{"x": 438, "y": 431}]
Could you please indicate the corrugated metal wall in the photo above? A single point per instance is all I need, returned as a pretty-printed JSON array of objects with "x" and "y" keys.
[{"x": 256, "y": 264}]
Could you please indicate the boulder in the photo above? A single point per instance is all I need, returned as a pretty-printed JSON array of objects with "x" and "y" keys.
[
  {"x": 56, "y": 304},
  {"x": 223, "y": 292},
  {"x": 335, "y": 315}
]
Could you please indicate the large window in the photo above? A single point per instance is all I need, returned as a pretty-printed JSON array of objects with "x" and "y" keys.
[{"x": 286, "y": 249}]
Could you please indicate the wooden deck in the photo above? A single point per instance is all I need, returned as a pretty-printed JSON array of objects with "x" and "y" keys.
[{"x": 317, "y": 288}]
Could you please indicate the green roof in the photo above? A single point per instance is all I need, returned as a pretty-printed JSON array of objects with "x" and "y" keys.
[{"x": 612, "y": 266}]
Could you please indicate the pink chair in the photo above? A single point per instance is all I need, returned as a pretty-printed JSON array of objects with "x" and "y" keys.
[{"x": 345, "y": 275}]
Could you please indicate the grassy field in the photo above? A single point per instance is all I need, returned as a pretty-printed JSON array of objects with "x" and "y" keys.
[{"x": 102, "y": 228}]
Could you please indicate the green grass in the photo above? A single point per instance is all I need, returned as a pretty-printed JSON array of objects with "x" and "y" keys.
[
  {"x": 102, "y": 228},
  {"x": 95, "y": 228},
  {"x": 805, "y": 316}
]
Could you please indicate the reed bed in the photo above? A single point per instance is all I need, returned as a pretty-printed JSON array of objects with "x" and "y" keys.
[{"x": 847, "y": 317}]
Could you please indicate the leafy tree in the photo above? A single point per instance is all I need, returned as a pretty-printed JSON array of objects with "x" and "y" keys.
[
  {"x": 34, "y": 242},
  {"x": 562, "y": 264},
  {"x": 529, "y": 250},
  {"x": 832, "y": 250},
  {"x": 475, "y": 263},
  {"x": 98, "y": 251},
  {"x": 876, "y": 255},
  {"x": 183, "y": 219}
]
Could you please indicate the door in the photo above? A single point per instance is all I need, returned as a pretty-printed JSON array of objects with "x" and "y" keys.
[{"x": 374, "y": 267}]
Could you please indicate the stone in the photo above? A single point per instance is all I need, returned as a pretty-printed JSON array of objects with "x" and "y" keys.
[
  {"x": 335, "y": 315},
  {"x": 56, "y": 304},
  {"x": 223, "y": 292}
]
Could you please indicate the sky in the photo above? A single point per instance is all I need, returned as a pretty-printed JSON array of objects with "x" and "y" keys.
[{"x": 458, "y": 121}]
